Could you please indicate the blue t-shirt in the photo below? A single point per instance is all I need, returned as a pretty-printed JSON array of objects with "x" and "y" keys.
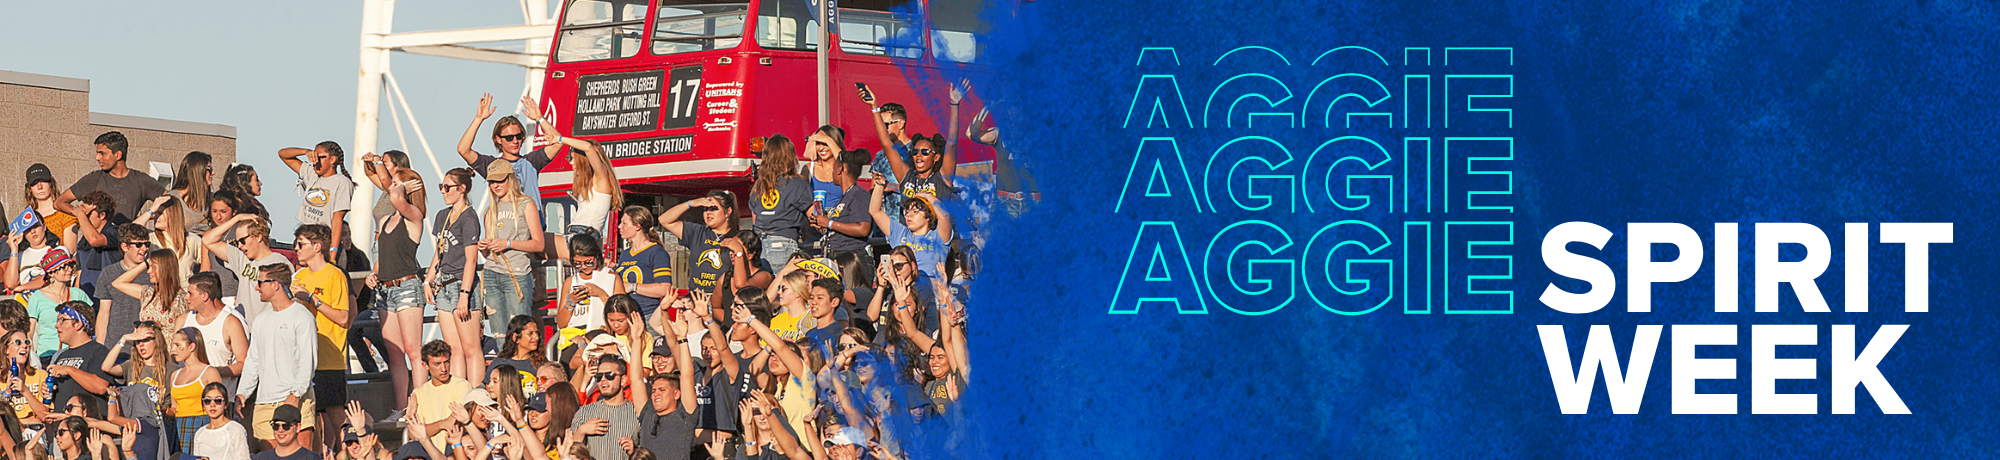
[
  {"x": 930, "y": 247},
  {"x": 651, "y": 265},
  {"x": 708, "y": 262}
]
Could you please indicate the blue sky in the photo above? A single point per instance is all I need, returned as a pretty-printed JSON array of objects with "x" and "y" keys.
[{"x": 283, "y": 73}]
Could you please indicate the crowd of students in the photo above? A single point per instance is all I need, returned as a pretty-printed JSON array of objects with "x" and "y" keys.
[{"x": 152, "y": 322}]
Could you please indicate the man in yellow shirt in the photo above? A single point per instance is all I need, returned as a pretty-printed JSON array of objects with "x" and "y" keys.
[
  {"x": 431, "y": 402},
  {"x": 327, "y": 286}
]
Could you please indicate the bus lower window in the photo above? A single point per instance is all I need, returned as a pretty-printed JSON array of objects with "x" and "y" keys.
[
  {"x": 787, "y": 24},
  {"x": 685, "y": 26},
  {"x": 601, "y": 29},
  {"x": 881, "y": 28}
]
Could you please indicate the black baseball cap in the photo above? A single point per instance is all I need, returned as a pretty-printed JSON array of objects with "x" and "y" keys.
[
  {"x": 39, "y": 172},
  {"x": 412, "y": 450},
  {"x": 286, "y": 413}
]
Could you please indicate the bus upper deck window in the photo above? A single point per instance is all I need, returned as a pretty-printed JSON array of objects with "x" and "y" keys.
[
  {"x": 787, "y": 24},
  {"x": 955, "y": 24},
  {"x": 601, "y": 29},
  {"x": 881, "y": 28},
  {"x": 686, "y": 26}
]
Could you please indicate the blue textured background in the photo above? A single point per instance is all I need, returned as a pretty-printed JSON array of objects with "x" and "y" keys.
[{"x": 1690, "y": 112}]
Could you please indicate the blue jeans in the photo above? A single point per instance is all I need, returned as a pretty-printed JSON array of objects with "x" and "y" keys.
[
  {"x": 778, "y": 250},
  {"x": 499, "y": 295}
]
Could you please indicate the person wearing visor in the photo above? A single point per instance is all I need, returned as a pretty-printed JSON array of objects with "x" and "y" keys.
[{"x": 44, "y": 303}]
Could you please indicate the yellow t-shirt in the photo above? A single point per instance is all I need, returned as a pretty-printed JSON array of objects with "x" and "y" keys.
[
  {"x": 329, "y": 287},
  {"x": 32, "y": 380},
  {"x": 790, "y": 327},
  {"x": 433, "y": 403}
]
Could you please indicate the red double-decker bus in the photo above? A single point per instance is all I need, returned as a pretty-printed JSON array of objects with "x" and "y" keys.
[{"x": 675, "y": 89}]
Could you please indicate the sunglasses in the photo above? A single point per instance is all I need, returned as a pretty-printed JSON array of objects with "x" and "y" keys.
[
  {"x": 914, "y": 152},
  {"x": 281, "y": 426},
  {"x": 608, "y": 375},
  {"x": 241, "y": 241},
  {"x": 516, "y": 137},
  {"x": 137, "y": 244},
  {"x": 445, "y": 187},
  {"x": 898, "y": 265},
  {"x": 892, "y": 122},
  {"x": 19, "y": 342},
  {"x": 216, "y": 401}
]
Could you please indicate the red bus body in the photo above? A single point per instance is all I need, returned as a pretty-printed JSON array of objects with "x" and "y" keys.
[{"x": 746, "y": 90}]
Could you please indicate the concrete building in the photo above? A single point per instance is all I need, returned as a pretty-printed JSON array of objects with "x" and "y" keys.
[{"x": 47, "y": 119}]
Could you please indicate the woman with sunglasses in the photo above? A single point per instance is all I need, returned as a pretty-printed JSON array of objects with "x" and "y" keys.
[
  {"x": 25, "y": 391},
  {"x": 223, "y": 438},
  {"x": 43, "y": 303},
  {"x": 23, "y": 271},
  {"x": 162, "y": 301},
  {"x": 509, "y": 138},
  {"x": 448, "y": 285},
  {"x": 580, "y": 302},
  {"x": 185, "y": 384},
  {"x": 932, "y": 160}
]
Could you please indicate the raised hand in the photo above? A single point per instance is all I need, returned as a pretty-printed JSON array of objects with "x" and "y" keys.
[
  {"x": 529, "y": 108},
  {"x": 485, "y": 106},
  {"x": 958, "y": 94}
]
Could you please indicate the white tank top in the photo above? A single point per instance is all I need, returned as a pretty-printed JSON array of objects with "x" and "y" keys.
[
  {"x": 594, "y": 213},
  {"x": 589, "y": 313},
  {"x": 215, "y": 337}
]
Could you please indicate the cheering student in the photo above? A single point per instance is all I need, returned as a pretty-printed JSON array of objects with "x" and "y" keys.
[
  {"x": 704, "y": 239},
  {"x": 512, "y": 230},
  {"x": 26, "y": 385},
  {"x": 924, "y": 227},
  {"x": 603, "y": 423},
  {"x": 508, "y": 137},
  {"x": 29, "y": 242},
  {"x": 250, "y": 248},
  {"x": 332, "y": 316},
  {"x": 45, "y": 303},
  {"x": 115, "y": 306},
  {"x": 324, "y": 186},
  {"x": 397, "y": 279},
  {"x": 823, "y": 153},
  {"x": 357, "y": 441},
  {"x": 184, "y": 386},
  {"x": 79, "y": 369},
  {"x": 283, "y": 354},
  {"x": 224, "y": 335},
  {"x": 779, "y": 198},
  {"x": 222, "y": 438},
  {"x": 580, "y": 301},
  {"x": 451, "y": 278},
  {"x": 242, "y": 181},
  {"x": 126, "y": 189},
  {"x": 595, "y": 189},
  {"x": 430, "y": 411},
  {"x": 645, "y": 271},
  {"x": 666, "y": 424}
]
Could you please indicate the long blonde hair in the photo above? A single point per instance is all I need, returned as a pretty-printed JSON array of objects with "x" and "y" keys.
[
  {"x": 174, "y": 217},
  {"x": 152, "y": 368},
  {"x": 584, "y": 177}
]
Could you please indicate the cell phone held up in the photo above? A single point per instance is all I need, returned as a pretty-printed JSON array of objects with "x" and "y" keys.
[{"x": 866, "y": 95}]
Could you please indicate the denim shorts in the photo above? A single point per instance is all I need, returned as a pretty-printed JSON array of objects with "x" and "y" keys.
[
  {"x": 447, "y": 297},
  {"x": 400, "y": 296},
  {"x": 778, "y": 250}
]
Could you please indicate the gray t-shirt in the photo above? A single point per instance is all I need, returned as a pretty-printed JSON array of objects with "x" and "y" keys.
[
  {"x": 509, "y": 222},
  {"x": 124, "y": 308},
  {"x": 321, "y": 197},
  {"x": 669, "y": 436},
  {"x": 246, "y": 285},
  {"x": 782, "y": 209},
  {"x": 623, "y": 424},
  {"x": 127, "y": 193},
  {"x": 452, "y": 238}
]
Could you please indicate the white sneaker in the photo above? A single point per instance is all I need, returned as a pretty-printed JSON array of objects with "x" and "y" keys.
[{"x": 395, "y": 416}]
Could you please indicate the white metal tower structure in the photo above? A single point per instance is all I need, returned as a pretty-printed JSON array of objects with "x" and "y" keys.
[{"x": 377, "y": 41}]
